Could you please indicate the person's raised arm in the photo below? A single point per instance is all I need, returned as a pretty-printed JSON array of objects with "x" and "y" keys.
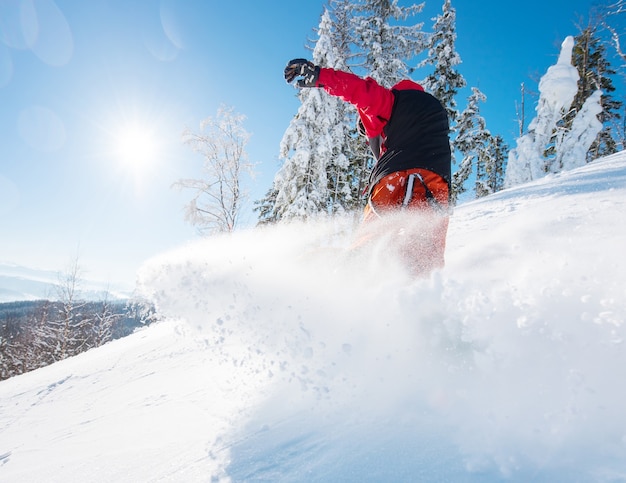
[{"x": 373, "y": 101}]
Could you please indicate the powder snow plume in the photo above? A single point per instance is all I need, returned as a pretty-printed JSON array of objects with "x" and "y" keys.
[{"x": 506, "y": 363}]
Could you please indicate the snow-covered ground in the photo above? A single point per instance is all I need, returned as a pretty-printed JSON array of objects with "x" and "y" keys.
[{"x": 280, "y": 360}]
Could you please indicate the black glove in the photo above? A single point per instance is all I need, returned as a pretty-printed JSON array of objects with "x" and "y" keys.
[{"x": 302, "y": 68}]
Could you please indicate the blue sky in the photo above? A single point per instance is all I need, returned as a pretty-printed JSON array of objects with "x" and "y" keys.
[{"x": 75, "y": 77}]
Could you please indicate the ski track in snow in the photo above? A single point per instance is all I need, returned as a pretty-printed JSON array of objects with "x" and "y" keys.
[{"x": 279, "y": 359}]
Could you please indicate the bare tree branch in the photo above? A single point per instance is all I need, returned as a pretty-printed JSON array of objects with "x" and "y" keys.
[{"x": 614, "y": 9}]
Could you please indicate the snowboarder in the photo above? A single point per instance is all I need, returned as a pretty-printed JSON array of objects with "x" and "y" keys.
[{"x": 407, "y": 131}]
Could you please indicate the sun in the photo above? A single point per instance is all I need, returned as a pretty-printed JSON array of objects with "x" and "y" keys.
[{"x": 136, "y": 147}]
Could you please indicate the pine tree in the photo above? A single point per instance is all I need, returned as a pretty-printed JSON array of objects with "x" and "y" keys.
[
  {"x": 557, "y": 90},
  {"x": 345, "y": 166},
  {"x": 358, "y": 156},
  {"x": 340, "y": 14},
  {"x": 491, "y": 179},
  {"x": 572, "y": 146},
  {"x": 612, "y": 13},
  {"x": 552, "y": 143},
  {"x": 313, "y": 174},
  {"x": 471, "y": 141},
  {"x": 445, "y": 81},
  {"x": 301, "y": 183},
  {"x": 589, "y": 57},
  {"x": 384, "y": 41},
  {"x": 265, "y": 207}
]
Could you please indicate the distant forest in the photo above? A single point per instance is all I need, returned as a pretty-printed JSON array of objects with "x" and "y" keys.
[{"x": 34, "y": 334}]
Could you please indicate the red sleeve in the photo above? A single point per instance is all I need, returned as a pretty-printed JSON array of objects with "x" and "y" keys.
[{"x": 373, "y": 101}]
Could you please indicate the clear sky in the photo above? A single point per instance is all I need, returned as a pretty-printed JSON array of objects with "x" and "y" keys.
[{"x": 76, "y": 78}]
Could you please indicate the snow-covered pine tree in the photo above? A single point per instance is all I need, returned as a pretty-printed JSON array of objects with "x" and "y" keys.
[
  {"x": 359, "y": 157},
  {"x": 312, "y": 146},
  {"x": 589, "y": 57},
  {"x": 445, "y": 81},
  {"x": 573, "y": 146},
  {"x": 612, "y": 13},
  {"x": 345, "y": 166},
  {"x": 471, "y": 141},
  {"x": 557, "y": 90},
  {"x": 265, "y": 207},
  {"x": 383, "y": 40},
  {"x": 491, "y": 179},
  {"x": 301, "y": 184}
]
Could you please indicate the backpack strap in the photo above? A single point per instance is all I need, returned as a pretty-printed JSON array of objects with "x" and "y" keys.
[
  {"x": 430, "y": 197},
  {"x": 408, "y": 195}
]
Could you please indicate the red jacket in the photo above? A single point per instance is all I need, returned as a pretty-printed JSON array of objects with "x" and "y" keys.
[
  {"x": 373, "y": 101},
  {"x": 412, "y": 123}
]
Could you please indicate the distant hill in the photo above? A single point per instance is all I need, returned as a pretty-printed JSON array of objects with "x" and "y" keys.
[{"x": 23, "y": 283}]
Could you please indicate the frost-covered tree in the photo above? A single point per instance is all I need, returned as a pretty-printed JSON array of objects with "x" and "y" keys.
[
  {"x": 265, "y": 207},
  {"x": 384, "y": 39},
  {"x": 312, "y": 180},
  {"x": 344, "y": 168},
  {"x": 301, "y": 185},
  {"x": 104, "y": 320},
  {"x": 537, "y": 152},
  {"x": 612, "y": 16},
  {"x": 41, "y": 347},
  {"x": 12, "y": 346},
  {"x": 445, "y": 81},
  {"x": 471, "y": 141},
  {"x": 340, "y": 15},
  {"x": 355, "y": 150},
  {"x": 218, "y": 196},
  {"x": 34, "y": 334},
  {"x": 66, "y": 332},
  {"x": 573, "y": 146},
  {"x": 331, "y": 50},
  {"x": 616, "y": 9},
  {"x": 358, "y": 155},
  {"x": 589, "y": 57},
  {"x": 490, "y": 179}
]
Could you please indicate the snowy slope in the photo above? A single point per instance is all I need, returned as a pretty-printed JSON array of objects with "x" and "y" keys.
[{"x": 280, "y": 360}]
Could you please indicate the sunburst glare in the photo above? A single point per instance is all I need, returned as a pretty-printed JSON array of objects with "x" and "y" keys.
[{"x": 136, "y": 147}]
